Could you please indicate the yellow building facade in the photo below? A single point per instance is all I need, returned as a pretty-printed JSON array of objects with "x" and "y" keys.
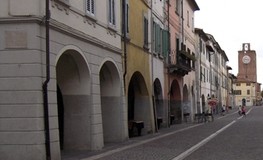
[
  {"x": 247, "y": 91},
  {"x": 138, "y": 68}
]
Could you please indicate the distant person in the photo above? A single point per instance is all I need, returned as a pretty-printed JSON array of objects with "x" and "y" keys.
[
  {"x": 223, "y": 110},
  {"x": 243, "y": 110},
  {"x": 240, "y": 110}
]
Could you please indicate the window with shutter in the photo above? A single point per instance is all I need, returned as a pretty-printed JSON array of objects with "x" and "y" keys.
[
  {"x": 127, "y": 16},
  {"x": 177, "y": 7},
  {"x": 157, "y": 38},
  {"x": 154, "y": 37},
  {"x": 90, "y": 7},
  {"x": 165, "y": 43},
  {"x": 145, "y": 37},
  {"x": 201, "y": 74},
  {"x": 112, "y": 12}
]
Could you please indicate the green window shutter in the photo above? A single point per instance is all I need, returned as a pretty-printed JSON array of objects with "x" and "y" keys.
[
  {"x": 165, "y": 43},
  {"x": 159, "y": 39},
  {"x": 156, "y": 37}
]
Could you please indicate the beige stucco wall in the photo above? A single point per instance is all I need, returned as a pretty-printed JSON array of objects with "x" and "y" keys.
[{"x": 22, "y": 45}]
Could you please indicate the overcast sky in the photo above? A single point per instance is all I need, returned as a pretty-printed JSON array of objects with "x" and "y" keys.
[{"x": 233, "y": 22}]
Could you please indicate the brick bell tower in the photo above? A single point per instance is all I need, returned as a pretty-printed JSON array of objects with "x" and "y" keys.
[{"x": 247, "y": 66}]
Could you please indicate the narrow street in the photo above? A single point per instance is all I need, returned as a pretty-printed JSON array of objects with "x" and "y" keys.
[
  {"x": 228, "y": 137},
  {"x": 243, "y": 140}
]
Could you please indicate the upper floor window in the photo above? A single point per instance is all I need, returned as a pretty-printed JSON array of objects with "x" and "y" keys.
[
  {"x": 165, "y": 42},
  {"x": 237, "y": 92},
  {"x": 193, "y": 62},
  {"x": 188, "y": 19},
  {"x": 145, "y": 28},
  {"x": 157, "y": 38},
  {"x": 90, "y": 7},
  {"x": 112, "y": 19},
  {"x": 207, "y": 76},
  {"x": 200, "y": 45},
  {"x": 125, "y": 16},
  {"x": 177, "y": 7},
  {"x": 238, "y": 84},
  {"x": 201, "y": 73},
  {"x": 204, "y": 75},
  {"x": 193, "y": 24},
  {"x": 248, "y": 84}
]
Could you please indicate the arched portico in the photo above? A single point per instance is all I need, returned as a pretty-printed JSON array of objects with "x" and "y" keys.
[
  {"x": 111, "y": 106},
  {"x": 160, "y": 110},
  {"x": 73, "y": 100},
  {"x": 186, "y": 103},
  {"x": 139, "y": 106},
  {"x": 175, "y": 103}
]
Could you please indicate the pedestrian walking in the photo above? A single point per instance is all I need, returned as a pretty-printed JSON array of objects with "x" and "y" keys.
[
  {"x": 243, "y": 110},
  {"x": 240, "y": 110},
  {"x": 223, "y": 110}
]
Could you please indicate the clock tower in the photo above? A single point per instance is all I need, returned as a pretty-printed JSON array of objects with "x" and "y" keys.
[{"x": 247, "y": 67}]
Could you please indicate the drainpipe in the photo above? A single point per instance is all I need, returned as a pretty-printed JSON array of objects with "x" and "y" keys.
[
  {"x": 153, "y": 97},
  {"x": 45, "y": 86},
  {"x": 182, "y": 21},
  {"x": 168, "y": 73},
  {"x": 124, "y": 25}
]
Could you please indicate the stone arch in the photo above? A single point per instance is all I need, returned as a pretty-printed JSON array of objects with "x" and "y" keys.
[
  {"x": 139, "y": 105},
  {"x": 111, "y": 102},
  {"x": 175, "y": 103},
  {"x": 158, "y": 102},
  {"x": 186, "y": 101},
  {"x": 74, "y": 99}
]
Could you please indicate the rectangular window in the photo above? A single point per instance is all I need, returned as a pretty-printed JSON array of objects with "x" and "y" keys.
[
  {"x": 200, "y": 45},
  {"x": 154, "y": 36},
  {"x": 165, "y": 43},
  {"x": 112, "y": 12},
  {"x": 209, "y": 57},
  {"x": 248, "y": 92},
  {"x": 204, "y": 74},
  {"x": 188, "y": 19},
  {"x": 238, "y": 84},
  {"x": 207, "y": 76},
  {"x": 193, "y": 62},
  {"x": 193, "y": 24},
  {"x": 145, "y": 37},
  {"x": 160, "y": 40},
  {"x": 157, "y": 37},
  {"x": 177, "y": 7},
  {"x": 125, "y": 16},
  {"x": 201, "y": 75},
  {"x": 90, "y": 7},
  {"x": 248, "y": 84},
  {"x": 237, "y": 92}
]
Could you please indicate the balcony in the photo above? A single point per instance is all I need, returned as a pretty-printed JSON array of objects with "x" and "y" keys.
[{"x": 183, "y": 62}]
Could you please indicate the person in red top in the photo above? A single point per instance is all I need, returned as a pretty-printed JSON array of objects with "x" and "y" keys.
[{"x": 243, "y": 111}]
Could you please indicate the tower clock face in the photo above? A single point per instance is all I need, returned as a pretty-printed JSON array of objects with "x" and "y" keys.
[{"x": 246, "y": 59}]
